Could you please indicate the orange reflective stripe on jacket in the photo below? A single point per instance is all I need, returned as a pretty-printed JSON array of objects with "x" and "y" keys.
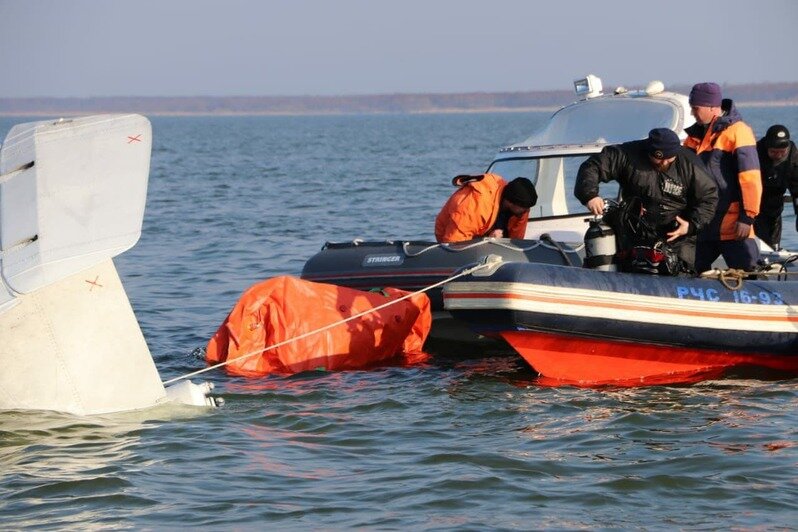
[
  {"x": 472, "y": 211},
  {"x": 284, "y": 308}
]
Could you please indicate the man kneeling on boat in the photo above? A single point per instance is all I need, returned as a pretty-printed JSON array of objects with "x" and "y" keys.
[
  {"x": 673, "y": 195},
  {"x": 486, "y": 206}
]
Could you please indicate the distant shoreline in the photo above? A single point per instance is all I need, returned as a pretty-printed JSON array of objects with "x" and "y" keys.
[
  {"x": 536, "y": 109},
  {"x": 290, "y": 113},
  {"x": 746, "y": 95}
]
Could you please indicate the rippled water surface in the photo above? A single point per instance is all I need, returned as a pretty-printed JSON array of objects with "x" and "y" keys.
[{"x": 455, "y": 444}]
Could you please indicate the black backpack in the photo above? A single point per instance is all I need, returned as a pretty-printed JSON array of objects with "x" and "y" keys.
[{"x": 640, "y": 248}]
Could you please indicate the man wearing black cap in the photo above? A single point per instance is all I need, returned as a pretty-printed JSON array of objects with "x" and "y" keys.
[
  {"x": 727, "y": 147},
  {"x": 677, "y": 195},
  {"x": 486, "y": 206},
  {"x": 778, "y": 162}
]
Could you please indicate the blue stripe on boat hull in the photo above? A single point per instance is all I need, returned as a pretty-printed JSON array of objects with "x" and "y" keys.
[{"x": 491, "y": 322}]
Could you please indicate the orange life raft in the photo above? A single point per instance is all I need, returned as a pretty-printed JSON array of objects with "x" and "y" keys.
[{"x": 283, "y": 308}]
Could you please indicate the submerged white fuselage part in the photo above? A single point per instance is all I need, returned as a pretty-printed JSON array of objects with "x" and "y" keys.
[
  {"x": 75, "y": 346},
  {"x": 72, "y": 196}
]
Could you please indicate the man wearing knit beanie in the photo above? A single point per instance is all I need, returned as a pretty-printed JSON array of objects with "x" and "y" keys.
[
  {"x": 727, "y": 147},
  {"x": 486, "y": 206}
]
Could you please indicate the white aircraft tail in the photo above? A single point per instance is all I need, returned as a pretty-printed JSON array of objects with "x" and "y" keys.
[{"x": 72, "y": 196}]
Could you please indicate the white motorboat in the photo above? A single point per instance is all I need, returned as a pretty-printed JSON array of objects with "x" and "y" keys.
[{"x": 551, "y": 157}]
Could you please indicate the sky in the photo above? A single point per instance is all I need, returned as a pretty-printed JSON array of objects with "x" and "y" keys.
[{"x": 89, "y": 48}]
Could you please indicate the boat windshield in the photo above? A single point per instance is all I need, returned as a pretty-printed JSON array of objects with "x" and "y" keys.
[{"x": 554, "y": 178}]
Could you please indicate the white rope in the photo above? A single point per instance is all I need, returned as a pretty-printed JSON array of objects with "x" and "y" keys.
[
  {"x": 457, "y": 248},
  {"x": 411, "y": 255},
  {"x": 465, "y": 272}
]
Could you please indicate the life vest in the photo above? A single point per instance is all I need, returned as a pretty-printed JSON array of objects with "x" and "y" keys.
[{"x": 285, "y": 307}]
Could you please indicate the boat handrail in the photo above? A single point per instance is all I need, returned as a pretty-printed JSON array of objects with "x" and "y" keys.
[
  {"x": 587, "y": 147},
  {"x": 457, "y": 247}
]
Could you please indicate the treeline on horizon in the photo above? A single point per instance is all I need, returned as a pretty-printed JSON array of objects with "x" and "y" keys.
[{"x": 785, "y": 92}]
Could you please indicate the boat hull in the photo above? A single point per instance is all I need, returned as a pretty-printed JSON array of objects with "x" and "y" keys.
[{"x": 586, "y": 327}]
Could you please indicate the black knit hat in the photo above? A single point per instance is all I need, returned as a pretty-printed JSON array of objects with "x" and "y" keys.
[
  {"x": 778, "y": 137},
  {"x": 521, "y": 191},
  {"x": 663, "y": 143}
]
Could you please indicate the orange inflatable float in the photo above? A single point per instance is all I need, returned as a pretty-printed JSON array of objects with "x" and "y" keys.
[{"x": 283, "y": 308}]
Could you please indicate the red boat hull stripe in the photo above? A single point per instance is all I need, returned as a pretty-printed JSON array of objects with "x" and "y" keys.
[{"x": 592, "y": 362}]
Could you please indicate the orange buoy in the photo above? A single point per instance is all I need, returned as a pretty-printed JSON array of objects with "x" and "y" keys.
[{"x": 283, "y": 308}]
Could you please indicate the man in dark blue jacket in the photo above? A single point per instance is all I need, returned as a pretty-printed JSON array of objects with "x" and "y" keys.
[{"x": 778, "y": 162}]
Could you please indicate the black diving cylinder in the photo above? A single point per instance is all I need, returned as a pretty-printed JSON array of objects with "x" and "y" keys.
[{"x": 600, "y": 246}]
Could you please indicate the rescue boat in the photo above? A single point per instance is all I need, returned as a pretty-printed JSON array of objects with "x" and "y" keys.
[
  {"x": 588, "y": 327},
  {"x": 583, "y": 326},
  {"x": 642, "y": 319}
]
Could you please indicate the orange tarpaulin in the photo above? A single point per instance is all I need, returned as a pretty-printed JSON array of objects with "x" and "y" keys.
[{"x": 285, "y": 307}]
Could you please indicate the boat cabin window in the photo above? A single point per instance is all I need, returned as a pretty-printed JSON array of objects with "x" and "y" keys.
[{"x": 554, "y": 179}]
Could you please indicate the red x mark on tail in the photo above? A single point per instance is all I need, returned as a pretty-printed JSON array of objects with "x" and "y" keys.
[
  {"x": 136, "y": 138},
  {"x": 94, "y": 283}
]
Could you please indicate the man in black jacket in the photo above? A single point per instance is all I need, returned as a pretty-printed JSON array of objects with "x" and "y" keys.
[
  {"x": 778, "y": 161},
  {"x": 678, "y": 197}
]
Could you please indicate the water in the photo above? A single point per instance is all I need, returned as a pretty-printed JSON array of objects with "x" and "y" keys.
[{"x": 450, "y": 445}]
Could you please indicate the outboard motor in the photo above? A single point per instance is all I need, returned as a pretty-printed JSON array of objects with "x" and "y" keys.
[{"x": 600, "y": 246}]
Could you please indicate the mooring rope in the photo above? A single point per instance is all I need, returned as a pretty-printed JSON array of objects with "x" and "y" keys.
[
  {"x": 245, "y": 356},
  {"x": 733, "y": 278}
]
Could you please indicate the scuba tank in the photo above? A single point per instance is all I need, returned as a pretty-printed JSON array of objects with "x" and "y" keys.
[{"x": 600, "y": 246}]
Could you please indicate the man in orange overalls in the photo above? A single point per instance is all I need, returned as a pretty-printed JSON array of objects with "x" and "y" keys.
[{"x": 486, "y": 206}]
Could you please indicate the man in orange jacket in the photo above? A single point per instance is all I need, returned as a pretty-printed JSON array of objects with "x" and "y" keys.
[
  {"x": 727, "y": 147},
  {"x": 486, "y": 206}
]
